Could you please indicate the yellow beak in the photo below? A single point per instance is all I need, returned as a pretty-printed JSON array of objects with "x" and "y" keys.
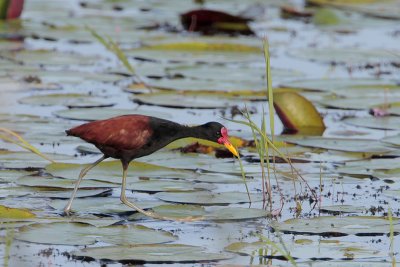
[{"x": 231, "y": 148}]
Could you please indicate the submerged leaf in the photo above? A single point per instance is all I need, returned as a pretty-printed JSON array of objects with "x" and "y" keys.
[{"x": 165, "y": 253}]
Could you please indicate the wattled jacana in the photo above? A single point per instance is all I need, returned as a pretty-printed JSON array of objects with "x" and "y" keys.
[{"x": 129, "y": 137}]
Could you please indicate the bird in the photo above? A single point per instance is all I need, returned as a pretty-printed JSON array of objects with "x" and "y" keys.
[{"x": 129, "y": 137}]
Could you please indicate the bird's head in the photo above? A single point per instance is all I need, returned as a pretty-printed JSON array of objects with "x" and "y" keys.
[{"x": 216, "y": 132}]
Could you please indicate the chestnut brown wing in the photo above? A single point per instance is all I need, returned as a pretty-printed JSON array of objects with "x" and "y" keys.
[{"x": 127, "y": 132}]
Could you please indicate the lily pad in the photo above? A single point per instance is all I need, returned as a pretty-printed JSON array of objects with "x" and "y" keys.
[
  {"x": 69, "y": 100},
  {"x": 25, "y": 160},
  {"x": 103, "y": 113},
  {"x": 330, "y": 225},
  {"x": 207, "y": 198},
  {"x": 348, "y": 55},
  {"x": 13, "y": 213},
  {"x": 48, "y": 57},
  {"x": 350, "y": 145},
  {"x": 383, "y": 123},
  {"x": 55, "y": 182},
  {"x": 235, "y": 213},
  {"x": 180, "y": 211},
  {"x": 304, "y": 248},
  {"x": 182, "y": 100},
  {"x": 163, "y": 185},
  {"x": 166, "y": 253},
  {"x": 109, "y": 205},
  {"x": 296, "y": 112},
  {"x": 83, "y": 234},
  {"x": 343, "y": 85},
  {"x": 336, "y": 209}
]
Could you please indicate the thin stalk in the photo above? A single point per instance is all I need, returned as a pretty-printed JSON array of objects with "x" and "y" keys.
[
  {"x": 244, "y": 177},
  {"x": 22, "y": 143},
  {"x": 391, "y": 236}
]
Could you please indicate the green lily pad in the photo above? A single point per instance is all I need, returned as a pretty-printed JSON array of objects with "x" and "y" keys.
[
  {"x": 330, "y": 225},
  {"x": 356, "y": 102},
  {"x": 50, "y": 57},
  {"x": 343, "y": 85},
  {"x": 166, "y": 253},
  {"x": 207, "y": 198},
  {"x": 180, "y": 211},
  {"x": 307, "y": 248},
  {"x": 103, "y": 113},
  {"x": 350, "y": 145},
  {"x": 12, "y": 175},
  {"x": 384, "y": 123},
  {"x": 163, "y": 185},
  {"x": 62, "y": 194},
  {"x": 342, "y": 209},
  {"x": 235, "y": 213},
  {"x": 83, "y": 234},
  {"x": 111, "y": 171},
  {"x": 55, "y": 182},
  {"x": 229, "y": 73},
  {"x": 24, "y": 160},
  {"x": 186, "y": 84},
  {"x": 349, "y": 55},
  {"x": 69, "y": 100},
  {"x": 109, "y": 205},
  {"x": 176, "y": 100}
]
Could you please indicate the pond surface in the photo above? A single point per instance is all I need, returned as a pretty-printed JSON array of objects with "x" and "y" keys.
[{"x": 54, "y": 75}]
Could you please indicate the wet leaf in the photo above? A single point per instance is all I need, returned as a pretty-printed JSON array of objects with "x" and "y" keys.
[
  {"x": 164, "y": 185},
  {"x": 83, "y": 234},
  {"x": 330, "y": 225},
  {"x": 384, "y": 123},
  {"x": 69, "y": 100},
  {"x": 343, "y": 55},
  {"x": 208, "y": 198},
  {"x": 296, "y": 112},
  {"x": 102, "y": 113},
  {"x": 342, "y": 144},
  {"x": 324, "y": 249},
  {"x": 342, "y": 209},
  {"x": 179, "y": 211},
  {"x": 109, "y": 205},
  {"x": 13, "y": 213},
  {"x": 166, "y": 253},
  {"x": 235, "y": 213},
  {"x": 25, "y": 160},
  {"x": 55, "y": 182}
]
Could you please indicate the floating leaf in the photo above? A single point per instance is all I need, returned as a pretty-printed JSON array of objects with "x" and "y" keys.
[
  {"x": 330, "y": 225},
  {"x": 297, "y": 113},
  {"x": 108, "y": 205},
  {"x": 55, "y": 182},
  {"x": 166, "y": 253},
  {"x": 83, "y": 234},
  {"x": 235, "y": 213},
  {"x": 103, "y": 113},
  {"x": 163, "y": 185},
  {"x": 69, "y": 100},
  {"x": 179, "y": 211},
  {"x": 25, "y": 160},
  {"x": 307, "y": 248},
  {"x": 13, "y": 213},
  {"x": 384, "y": 123},
  {"x": 350, "y": 145},
  {"x": 336, "y": 209},
  {"x": 207, "y": 198}
]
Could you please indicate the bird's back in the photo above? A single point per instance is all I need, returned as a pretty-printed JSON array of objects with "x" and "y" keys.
[{"x": 125, "y": 132}]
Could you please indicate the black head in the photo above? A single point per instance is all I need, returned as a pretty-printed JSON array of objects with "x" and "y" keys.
[
  {"x": 216, "y": 132},
  {"x": 212, "y": 131}
]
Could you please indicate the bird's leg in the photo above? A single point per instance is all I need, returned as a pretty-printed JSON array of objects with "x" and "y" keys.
[
  {"x": 82, "y": 174},
  {"x": 148, "y": 213}
]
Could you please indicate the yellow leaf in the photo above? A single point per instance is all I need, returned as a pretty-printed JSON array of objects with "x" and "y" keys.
[
  {"x": 13, "y": 213},
  {"x": 297, "y": 113}
]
